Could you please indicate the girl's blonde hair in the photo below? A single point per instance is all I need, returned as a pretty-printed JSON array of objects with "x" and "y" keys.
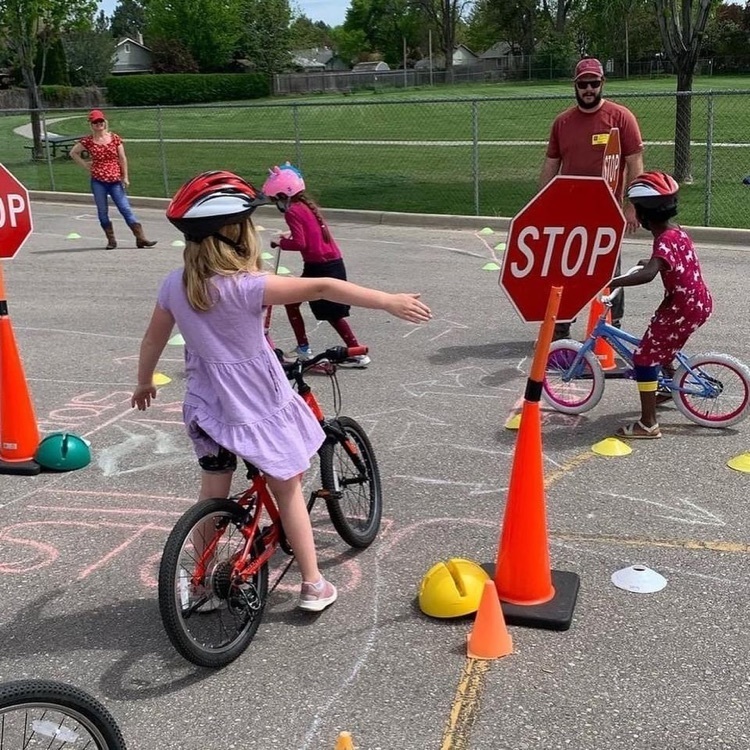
[{"x": 214, "y": 257}]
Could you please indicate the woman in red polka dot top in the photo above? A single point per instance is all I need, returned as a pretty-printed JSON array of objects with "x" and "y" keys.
[{"x": 109, "y": 176}]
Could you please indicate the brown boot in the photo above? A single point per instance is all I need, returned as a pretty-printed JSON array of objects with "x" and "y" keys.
[
  {"x": 140, "y": 238},
  {"x": 111, "y": 241}
]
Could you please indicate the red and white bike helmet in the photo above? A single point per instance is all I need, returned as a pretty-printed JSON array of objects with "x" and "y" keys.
[
  {"x": 203, "y": 205},
  {"x": 284, "y": 182},
  {"x": 654, "y": 190}
]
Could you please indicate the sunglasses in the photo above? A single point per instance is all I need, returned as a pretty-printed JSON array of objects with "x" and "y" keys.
[
  {"x": 98, "y": 122},
  {"x": 583, "y": 85}
]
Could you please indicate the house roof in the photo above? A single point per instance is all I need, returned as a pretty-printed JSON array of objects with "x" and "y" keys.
[
  {"x": 316, "y": 54},
  {"x": 499, "y": 49},
  {"x": 372, "y": 65},
  {"x": 132, "y": 41}
]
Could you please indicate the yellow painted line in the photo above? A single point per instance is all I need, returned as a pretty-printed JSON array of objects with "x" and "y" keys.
[
  {"x": 691, "y": 544},
  {"x": 573, "y": 463},
  {"x": 465, "y": 705}
]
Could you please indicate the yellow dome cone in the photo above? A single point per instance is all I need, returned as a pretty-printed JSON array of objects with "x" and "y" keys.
[
  {"x": 740, "y": 463},
  {"x": 344, "y": 742},
  {"x": 513, "y": 422},
  {"x": 611, "y": 447},
  {"x": 491, "y": 266},
  {"x": 485, "y": 230},
  {"x": 161, "y": 379}
]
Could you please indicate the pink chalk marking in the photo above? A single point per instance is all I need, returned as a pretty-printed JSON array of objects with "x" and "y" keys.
[
  {"x": 114, "y": 511},
  {"x": 83, "y": 400},
  {"x": 49, "y": 552},
  {"x": 412, "y": 529},
  {"x": 116, "y": 551},
  {"x": 178, "y": 422},
  {"x": 109, "y": 422},
  {"x": 120, "y": 494}
]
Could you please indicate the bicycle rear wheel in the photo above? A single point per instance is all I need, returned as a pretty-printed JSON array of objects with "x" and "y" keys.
[
  {"x": 349, "y": 472},
  {"x": 720, "y": 394},
  {"x": 36, "y": 714},
  {"x": 211, "y": 621},
  {"x": 580, "y": 392}
]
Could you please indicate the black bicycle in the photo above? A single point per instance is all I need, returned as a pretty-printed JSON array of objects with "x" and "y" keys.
[
  {"x": 50, "y": 715},
  {"x": 213, "y": 578}
]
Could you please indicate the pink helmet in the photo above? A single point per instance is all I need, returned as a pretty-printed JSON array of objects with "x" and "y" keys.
[{"x": 283, "y": 181}]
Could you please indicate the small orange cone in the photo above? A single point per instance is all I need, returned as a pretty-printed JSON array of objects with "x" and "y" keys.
[
  {"x": 489, "y": 638},
  {"x": 604, "y": 352},
  {"x": 19, "y": 434},
  {"x": 344, "y": 742}
]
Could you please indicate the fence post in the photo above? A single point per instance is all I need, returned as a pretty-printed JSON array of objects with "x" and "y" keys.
[
  {"x": 297, "y": 144},
  {"x": 709, "y": 160},
  {"x": 475, "y": 153},
  {"x": 162, "y": 152}
]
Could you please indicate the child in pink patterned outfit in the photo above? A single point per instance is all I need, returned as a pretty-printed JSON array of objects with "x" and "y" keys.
[
  {"x": 309, "y": 235},
  {"x": 687, "y": 302}
]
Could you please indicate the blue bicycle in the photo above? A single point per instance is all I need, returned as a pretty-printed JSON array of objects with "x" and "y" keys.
[{"x": 712, "y": 390}]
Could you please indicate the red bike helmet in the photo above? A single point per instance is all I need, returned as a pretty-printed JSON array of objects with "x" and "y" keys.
[
  {"x": 203, "y": 205},
  {"x": 654, "y": 190}
]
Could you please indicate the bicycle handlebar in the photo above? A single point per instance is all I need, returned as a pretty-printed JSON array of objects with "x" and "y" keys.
[
  {"x": 608, "y": 299},
  {"x": 335, "y": 355}
]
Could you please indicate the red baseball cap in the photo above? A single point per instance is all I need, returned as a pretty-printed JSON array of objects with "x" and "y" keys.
[
  {"x": 589, "y": 66},
  {"x": 96, "y": 114}
]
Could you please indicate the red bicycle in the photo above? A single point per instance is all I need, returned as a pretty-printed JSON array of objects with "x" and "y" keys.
[{"x": 213, "y": 578}]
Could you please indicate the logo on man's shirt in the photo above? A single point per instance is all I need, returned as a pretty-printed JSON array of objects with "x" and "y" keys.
[{"x": 600, "y": 139}]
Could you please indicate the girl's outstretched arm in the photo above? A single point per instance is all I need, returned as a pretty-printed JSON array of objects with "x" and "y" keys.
[
  {"x": 154, "y": 341},
  {"x": 283, "y": 290},
  {"x": 643, "y": 276}
]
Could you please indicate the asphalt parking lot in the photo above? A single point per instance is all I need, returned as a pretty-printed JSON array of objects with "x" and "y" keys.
[{"x": 79, "y": 551}]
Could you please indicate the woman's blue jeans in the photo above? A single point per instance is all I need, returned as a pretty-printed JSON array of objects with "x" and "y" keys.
[{"x": 115, "y": 189}]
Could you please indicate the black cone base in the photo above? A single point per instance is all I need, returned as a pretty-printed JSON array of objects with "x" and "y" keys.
[{"x": 20, "y": 468}]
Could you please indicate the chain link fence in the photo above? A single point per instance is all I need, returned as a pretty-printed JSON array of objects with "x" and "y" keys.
[{"x": 475, "y": 156}]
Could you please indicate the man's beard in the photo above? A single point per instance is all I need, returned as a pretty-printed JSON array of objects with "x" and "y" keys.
[{"x": 584, "y": 104}]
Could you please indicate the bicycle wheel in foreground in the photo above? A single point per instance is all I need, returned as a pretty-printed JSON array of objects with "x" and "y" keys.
[
  {"x": 36, "y": 714},
  {"x": 583, "y": 389},
  {"x": 210, "y": 615},
  {"x": 349, "y": 472},
  {"x": 720, "y": 394}
]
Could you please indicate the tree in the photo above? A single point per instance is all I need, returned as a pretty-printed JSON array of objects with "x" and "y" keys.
[
  {"x": 682, "y": 24},
  {"x": 171, "y": 56},
  {"x": 33, "y": 25},
  {"x": 444, "y": 17},
  {"x": 128, "y": 19},
  {"x": 90, "y": 54},
  {"x": 306, "y": 34},
  {"x": 351, "y": 44},
  {"x": 265, "y": 34},
  {"x": 208, "y": 29}
]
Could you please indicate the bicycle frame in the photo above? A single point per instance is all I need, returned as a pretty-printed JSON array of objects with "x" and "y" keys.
[{"x": 700, "y": 385}]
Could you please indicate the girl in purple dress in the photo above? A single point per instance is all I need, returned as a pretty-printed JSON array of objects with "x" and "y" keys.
[
  {"x": 687, "y": 303},
  {"x": 238, "y": 401}
]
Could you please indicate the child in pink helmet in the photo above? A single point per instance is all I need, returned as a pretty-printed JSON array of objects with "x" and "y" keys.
[{"x": 309, "y": 235}]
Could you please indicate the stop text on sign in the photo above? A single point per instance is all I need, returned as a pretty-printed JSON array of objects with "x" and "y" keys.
[
  {"x": 575, "y": 250},
  {"x": 16, "y": 205}
]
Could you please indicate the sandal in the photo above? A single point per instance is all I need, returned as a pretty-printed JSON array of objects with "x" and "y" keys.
[{"x": 639, "y": 431}]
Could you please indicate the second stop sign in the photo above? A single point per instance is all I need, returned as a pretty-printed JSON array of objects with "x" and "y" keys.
[{"x": 568, "y": 235}]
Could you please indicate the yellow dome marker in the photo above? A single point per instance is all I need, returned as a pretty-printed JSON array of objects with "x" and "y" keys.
[
  {"x": 611, "y": 447},
  {"x": 73, "y": 236},
  {"x": 740, "y": 463},
  {"x": 176, "y": 340},
  {"x": 500, "y": 246},
  {"x": 178, "y": 243},
  {"x": 344, "y": 741},
  {"x": 513, "y": 422},
  {"x": 266, "y": 256},
  {"x": 283, "y": 271},
  {"x": 486, "y": 230},
  {"x": 491, "y": 266},
  {"x": 260, "y": 228},
  {"x": 161, "y": 379}
]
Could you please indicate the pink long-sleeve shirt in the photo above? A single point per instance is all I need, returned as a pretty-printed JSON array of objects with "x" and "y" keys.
[{"x": 307, "y": 237}]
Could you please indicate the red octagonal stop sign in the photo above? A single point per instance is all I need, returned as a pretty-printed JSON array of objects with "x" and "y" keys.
[
  {"x": 15, "y": 214},
  {"x": 568, "y": 235}
]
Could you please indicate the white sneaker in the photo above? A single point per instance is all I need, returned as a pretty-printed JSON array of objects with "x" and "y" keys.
[{"x": 359, "y": 362}]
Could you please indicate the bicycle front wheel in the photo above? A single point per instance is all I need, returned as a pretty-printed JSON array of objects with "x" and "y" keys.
[
  {"x": 209, "y": 612},
  {"x": 350, "y": 475},
  {"x": 572, "y": 392},
  {"x": 717, "y": 391},
  {"x": 36, "y": 714}
]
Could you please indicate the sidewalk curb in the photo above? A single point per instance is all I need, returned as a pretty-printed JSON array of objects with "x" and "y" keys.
[{"x": 701, "y": 235}]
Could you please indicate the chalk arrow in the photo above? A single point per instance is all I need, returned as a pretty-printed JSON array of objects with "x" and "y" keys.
[
  {"x": 396, "y": 428},
  {"x": 438, "y": 328},
  {"x": 466, "y": 381},
  {"x": 680, "y": 510},
  {"x": 159, "y": 442}
]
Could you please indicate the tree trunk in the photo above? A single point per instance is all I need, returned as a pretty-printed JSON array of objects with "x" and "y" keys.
[
  {"x": 35, "y": 106},
  {"x": 683, "y": 119}
]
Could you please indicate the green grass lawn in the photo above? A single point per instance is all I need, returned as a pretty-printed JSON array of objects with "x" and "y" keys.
[{"x": 335, "y": 139}]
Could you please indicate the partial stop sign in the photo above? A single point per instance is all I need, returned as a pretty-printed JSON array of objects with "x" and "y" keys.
[
  {"x": 568, "y": 235},
  {"x": 15, "y": 214}
]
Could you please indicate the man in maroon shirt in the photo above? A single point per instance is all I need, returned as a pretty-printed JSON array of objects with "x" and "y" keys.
[{"x": 577, "y": 142}]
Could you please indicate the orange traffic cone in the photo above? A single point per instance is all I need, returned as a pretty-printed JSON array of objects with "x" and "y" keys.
[
  {"x": 522, "y": 572},
  {"x": 19, "y": 434},
  {"x": 344, "y": 742},
  {"x": 489, "y": 638},
  {"x": 604, "y": 352}
]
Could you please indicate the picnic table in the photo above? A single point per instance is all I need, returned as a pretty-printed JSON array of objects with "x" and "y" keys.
[{"x": 57, "y": 143}]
